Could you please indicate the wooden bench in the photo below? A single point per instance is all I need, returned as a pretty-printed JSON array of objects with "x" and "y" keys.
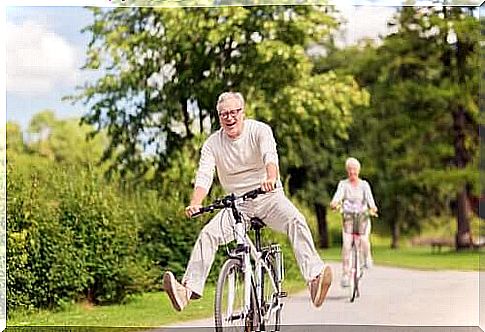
[{"x": 436, "y": 243}]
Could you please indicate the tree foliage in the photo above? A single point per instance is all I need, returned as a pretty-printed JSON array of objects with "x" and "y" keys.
[
  {"x": 163, "y": 77},
  {"x": 63, "y": 140}
]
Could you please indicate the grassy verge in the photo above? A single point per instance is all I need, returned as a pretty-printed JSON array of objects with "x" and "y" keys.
[
  {"x": 147, "y": 310},
  {"x": 419, "y": 258}
]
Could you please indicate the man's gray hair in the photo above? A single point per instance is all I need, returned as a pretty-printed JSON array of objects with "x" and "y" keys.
[
  {"x": 228, "y": 95},
  {"x": 352, "y": 162}
]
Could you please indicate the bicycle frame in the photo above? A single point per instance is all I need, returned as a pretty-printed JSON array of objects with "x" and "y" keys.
[
  {"x": 356, "y": 235},
  {"x": 355, "y": 268},
  {"x": 254, "y": 256},
  {"x": 251, "y": 254},
  {"x": 259, "y": 266}
]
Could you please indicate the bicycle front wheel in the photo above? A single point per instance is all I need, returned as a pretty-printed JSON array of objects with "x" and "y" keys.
[
  {"x": 354, "y": 277},
  {"x": 229, "y": 312}
]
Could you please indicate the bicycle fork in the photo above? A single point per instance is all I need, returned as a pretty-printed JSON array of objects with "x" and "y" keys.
[{"x": 247, "y": 282}]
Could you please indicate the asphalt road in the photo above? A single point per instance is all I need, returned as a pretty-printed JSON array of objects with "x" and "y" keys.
[{"x": 392, "y": 299}]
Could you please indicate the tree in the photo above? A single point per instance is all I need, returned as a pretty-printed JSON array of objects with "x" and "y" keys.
[
  {"x": 15, "y": 140},
  {"x": 163, "y": 77},
  {"x": 64, "y": 139},
  {"x": 461, "y": 60}
]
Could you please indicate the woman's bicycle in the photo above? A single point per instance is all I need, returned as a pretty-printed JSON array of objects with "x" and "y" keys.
[
  {"x": 356, "y": 271},
  {"x": 249, "y": 288},
  {"x": 356, "y": 224}
]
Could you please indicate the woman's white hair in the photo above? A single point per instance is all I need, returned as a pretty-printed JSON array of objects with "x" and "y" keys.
[
  {"x": 228, "y": 95},
  {"x": 352, "y": 162}
]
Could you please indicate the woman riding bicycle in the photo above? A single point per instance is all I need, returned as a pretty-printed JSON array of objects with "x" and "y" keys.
[
  {"x": 354, "y": 195},
  {"x": 244, "y": 154}
]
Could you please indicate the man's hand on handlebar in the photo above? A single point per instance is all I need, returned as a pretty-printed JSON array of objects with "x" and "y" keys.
[
  {"x": 268, "y": 185},
  {"x": 191, "y": 209},
  {"x": 195, "y": 209}
]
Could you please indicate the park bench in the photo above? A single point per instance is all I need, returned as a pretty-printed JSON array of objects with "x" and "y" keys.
[{"x": 436, "y": 243}]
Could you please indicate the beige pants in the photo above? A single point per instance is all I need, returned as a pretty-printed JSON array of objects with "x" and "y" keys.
[
  {"x": 278, "y": 213},
  {"x": 347, "y": 243}
]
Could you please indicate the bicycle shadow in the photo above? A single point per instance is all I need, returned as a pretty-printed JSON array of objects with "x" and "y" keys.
[{"x": 336, "y": 297}]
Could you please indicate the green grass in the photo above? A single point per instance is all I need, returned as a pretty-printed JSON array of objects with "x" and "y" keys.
[
  {"x": 147, "y": 310},
  {"x": 421, "y": 258}
]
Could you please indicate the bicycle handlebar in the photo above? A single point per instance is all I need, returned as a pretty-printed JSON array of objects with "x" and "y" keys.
[
  {"x": 368, "y": 212},
  {"x": 228, "y": 201}
]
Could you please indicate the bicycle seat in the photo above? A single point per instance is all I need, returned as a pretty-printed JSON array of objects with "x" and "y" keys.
[{"x": 256, "y": 223}]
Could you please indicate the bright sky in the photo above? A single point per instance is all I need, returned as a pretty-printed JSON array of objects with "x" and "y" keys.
[{"x": 45, "y": 50}]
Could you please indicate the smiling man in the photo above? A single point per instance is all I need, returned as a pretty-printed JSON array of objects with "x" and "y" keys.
[{"x": 244, "y": 154}]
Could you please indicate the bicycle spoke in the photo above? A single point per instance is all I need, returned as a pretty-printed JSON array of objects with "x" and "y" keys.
[{"x": 231, "y": 292}]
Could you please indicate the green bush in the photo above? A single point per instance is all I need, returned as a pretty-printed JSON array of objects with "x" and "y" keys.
[
  {"x": 20, "y": 277},
  {"x": 70, "y": 237},
  {"x": 166, "y": 237}
]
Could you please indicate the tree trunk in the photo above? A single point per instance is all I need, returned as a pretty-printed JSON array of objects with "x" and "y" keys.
[
  {"x": 395, "y": 234},
  {"x": 462, "y": 157},
  {"x": 321, "y": 212},
  {"x": 463, "y": 236},
  {"x": 185, "y": 112}
]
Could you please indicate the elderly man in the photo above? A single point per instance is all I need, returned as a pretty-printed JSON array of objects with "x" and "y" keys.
[{"x": 244, "y": 153}]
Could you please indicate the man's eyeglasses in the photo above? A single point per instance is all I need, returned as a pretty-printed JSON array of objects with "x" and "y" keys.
[{"x": 231, "y": 113}]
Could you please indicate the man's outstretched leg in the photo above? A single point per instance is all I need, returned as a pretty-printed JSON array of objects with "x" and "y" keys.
[
  {"x": 217, "y": 232},
  {"x": 280, "y": 214}
]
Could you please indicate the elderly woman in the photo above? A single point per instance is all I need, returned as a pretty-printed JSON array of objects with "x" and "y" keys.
[{"x": 354, "y": 195}]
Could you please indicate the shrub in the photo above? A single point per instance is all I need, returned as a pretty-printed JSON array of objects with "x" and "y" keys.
[{"x": 70, "y": 237}]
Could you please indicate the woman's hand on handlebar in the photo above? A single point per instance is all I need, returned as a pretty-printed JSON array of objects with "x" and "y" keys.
[
  {"x": 336, "y": 206},
  {"x": 191, "y": 209}
]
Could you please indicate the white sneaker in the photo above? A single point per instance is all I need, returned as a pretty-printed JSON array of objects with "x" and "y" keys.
[
  {"x": 179, "y": 294},
  {"x": 345, "y": 281}
]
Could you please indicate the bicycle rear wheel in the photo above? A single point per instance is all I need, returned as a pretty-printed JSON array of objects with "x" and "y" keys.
[
  {"x": 229, "y": 311},
  {"x": 271, "y": 306}
]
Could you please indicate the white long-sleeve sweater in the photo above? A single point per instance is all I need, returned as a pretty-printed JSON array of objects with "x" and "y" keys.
[
  {"x": 354, "y": 198},
  {"x": 241, "y": 162}
]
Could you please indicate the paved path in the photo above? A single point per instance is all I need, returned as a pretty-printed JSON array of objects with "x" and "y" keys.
[{"x": 389, "y": 296}]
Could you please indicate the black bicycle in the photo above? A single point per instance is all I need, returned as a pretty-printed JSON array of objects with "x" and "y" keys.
[{"x": 249, "y": 288}]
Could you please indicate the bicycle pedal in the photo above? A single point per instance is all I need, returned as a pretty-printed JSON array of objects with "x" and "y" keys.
[{"x": 282, "y": 294}]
